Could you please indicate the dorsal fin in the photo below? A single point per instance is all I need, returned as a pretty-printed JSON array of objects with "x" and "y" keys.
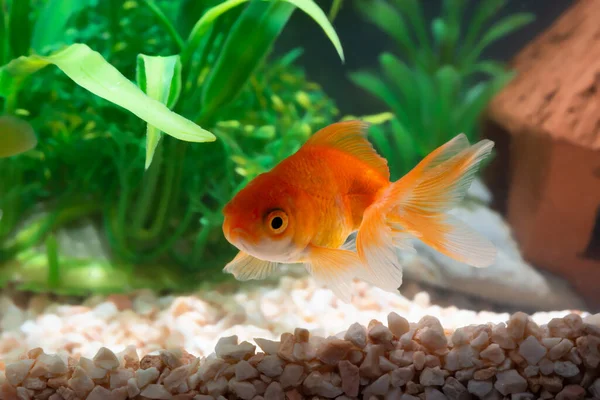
[{"x": 350, "y": 137}]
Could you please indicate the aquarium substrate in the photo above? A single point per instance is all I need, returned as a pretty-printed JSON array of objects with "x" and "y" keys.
[{"x": 286, "y": 343}]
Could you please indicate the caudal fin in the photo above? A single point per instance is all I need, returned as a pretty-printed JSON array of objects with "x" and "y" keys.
[{"x": 417, "y": 205}]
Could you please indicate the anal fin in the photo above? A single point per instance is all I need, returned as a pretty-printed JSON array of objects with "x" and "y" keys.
[{"x": 245, "y": 267}]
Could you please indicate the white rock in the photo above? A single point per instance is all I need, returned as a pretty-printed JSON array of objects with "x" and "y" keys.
[
  {"x": 397, "y": 324},
  {"x": 155, "y": 391},
  {"x": 274, "y": 392},
  {"x": 80, "y": 382},
  {"x": 291, "y": 375},
  {"x": 378, "y": 388},
  {"x": 16, "y": 372},
  {"x": 145, "y": 376},
  {"x": 99, "y": 393},
  {"x": 132, "y": 388},
  {"x": 271, "y": 366},
  {"x": 432, "y": 377},
  {"x": 532, "y": 350},
  {"x": 357, "y": 334},
  {"x": 267, "y": 346},
  {"x": 493, "y": 353},
  {"x": 106, "y": 359},
  {"x": 243, "y": 390},
  {"x": 120, "y": 377},
  {"x": 235, "y": 351},
  {"x": 508, "y": 382},
  {"x": 91, "y": 369},
  {"x": 245, "y": 371},
  {"x": 49, "y": 365},
  {"x": 565, "y": 369}
]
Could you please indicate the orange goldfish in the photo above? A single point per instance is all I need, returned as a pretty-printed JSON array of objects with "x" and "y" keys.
[{"x": 305, "y": 208}]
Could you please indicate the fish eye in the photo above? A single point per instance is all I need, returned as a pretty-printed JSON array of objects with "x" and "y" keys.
[{"x": 277, "y": 221}]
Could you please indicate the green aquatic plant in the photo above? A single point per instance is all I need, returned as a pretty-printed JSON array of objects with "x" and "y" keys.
[
  {"x": 440, "y": 84},
  {"x": 156, "y": 199}
]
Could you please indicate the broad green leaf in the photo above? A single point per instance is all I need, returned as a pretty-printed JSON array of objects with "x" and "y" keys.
[
  {"x": 245, "y": 48},
  {"x": 16, "y": 136},
  {"x": 160, "y": 78},
  {"x": 51, "y": 23},
  {"x": 497, "y": 31},
  {"x": 91, "y": 71},
  {"x": 448, "y": 84},
  {"x": 308, "y": 6},
  {"x": 19, "y": 27}
]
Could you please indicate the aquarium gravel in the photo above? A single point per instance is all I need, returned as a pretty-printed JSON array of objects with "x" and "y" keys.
[{"x": 241, "y": 346}]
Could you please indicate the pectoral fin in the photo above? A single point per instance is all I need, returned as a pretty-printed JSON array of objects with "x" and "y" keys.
[{"x": 244, "y": 267}]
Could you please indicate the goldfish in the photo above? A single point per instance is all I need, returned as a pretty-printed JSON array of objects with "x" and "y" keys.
[{"x": 306, "y": 208}]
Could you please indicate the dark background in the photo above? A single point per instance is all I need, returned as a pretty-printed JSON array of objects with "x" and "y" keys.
[{"x": 363, "y": 42}]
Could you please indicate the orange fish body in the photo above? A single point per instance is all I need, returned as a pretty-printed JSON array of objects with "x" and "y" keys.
[{"x": 306, "y": 207}]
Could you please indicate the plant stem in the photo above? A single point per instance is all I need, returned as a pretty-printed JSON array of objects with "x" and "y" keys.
[
  {"x": 53, "y": 264},
  {"x": 35, "y": 232},
  {"x": 148, "y": 190},
  {"x": 162, "y": 18}
]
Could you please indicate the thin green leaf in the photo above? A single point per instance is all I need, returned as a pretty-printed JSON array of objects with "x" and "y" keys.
[
  {"x": 91, "y": 71},
  {"x": 384, "y": 16},
  {"x": 4, "y": 36},
  {"x": 448, "y": 84},
  {"x": 453, "y": 9},
  {"x": 160, "y": 78},
  {"x": 401, "y": 78},
  {"x": 318, "y": 15},
  {"x": 19, "y": 27},
  {"x": 486, "y": 10},
  {"x": 16, "y": 136},
  {"x": 497, "y": 31},
  {"x": 51, "y": 23},
  {"x": 405, "y": 143},
  {"x": 164, "y": 20},
  {"x": 257, "y": 28},
  {"x": 378, "y": 135},
  {"x": 203, "y": 25},
  {"x": 335, "y": 9},
  {"x": 189, "y": 13},
  {"x": 412, "y": 9},
  {"x": 378, "y": 88},
  {"x": 476, "y": 100},
  {"x": 492, "y": 68}
]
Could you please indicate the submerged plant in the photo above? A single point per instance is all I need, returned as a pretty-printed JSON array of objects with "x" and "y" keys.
[
  {"x": 157, "y": 198},
  {"x": 440, "y": 84}
]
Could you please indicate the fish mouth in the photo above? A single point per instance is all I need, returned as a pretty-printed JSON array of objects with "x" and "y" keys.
[{"x": 240, "y": 237}]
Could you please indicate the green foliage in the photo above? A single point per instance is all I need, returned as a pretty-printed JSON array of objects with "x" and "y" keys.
[
  {"x": 440, "y": 85},
  {"x": 160, "y": 219}
]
